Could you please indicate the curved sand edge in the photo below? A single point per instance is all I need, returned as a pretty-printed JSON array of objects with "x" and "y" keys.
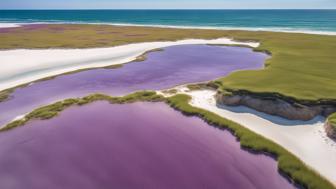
[
  {"x": 24, "y": 66},
  {"x": 307, "y": 140}
]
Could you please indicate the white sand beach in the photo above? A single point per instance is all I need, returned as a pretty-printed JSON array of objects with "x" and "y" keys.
[
  {"x": 23, "y": 65},
  {"x": 305, "y": 139}
]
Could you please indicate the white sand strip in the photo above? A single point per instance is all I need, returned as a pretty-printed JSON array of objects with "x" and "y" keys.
[
  {"x": 306, "y": 140},
  {"x": 24, "y": 66}
]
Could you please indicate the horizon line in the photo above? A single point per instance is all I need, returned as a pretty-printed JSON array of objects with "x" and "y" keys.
[{"x": 171, "y": 9}]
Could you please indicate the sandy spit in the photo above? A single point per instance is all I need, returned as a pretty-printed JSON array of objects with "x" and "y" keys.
[{"x": 24, "y": 66}]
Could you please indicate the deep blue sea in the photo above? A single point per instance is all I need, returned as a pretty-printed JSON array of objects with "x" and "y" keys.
[{"x": 314, "y": 21}]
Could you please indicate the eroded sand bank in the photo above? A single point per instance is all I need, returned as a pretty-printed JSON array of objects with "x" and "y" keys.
[{"x": 306, "y": 140}]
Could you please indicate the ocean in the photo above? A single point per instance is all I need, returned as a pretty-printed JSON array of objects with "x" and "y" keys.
[{"x": 307, "y": 21}]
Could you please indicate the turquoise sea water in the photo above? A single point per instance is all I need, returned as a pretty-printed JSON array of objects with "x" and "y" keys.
[{"x": 318, "y": 21}]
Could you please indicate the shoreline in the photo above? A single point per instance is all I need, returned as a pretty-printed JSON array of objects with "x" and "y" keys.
[
  {"x": 305, "y": 139},
  {"x": 137, "y": 52},
  {"x": 224, "y": 28},
  {"x": 298, "y": 171},
  {"x": 39, "y": 64}
]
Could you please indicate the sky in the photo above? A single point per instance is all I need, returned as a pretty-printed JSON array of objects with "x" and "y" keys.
[{"x": 168, "y": 4}]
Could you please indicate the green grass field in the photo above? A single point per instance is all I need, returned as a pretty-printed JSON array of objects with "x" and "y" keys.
[
  {"x": 332, "y": 120},
  {"x": 302, "y": 66}
]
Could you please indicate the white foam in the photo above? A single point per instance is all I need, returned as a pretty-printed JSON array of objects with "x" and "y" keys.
[
  {"x": 9, "y": 25},
  {"x": 270, "y": 29}
]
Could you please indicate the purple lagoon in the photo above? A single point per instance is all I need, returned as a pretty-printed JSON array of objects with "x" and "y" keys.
[
  {"x": 139, "y": 145},
  {"x": 175, "y": 65}
]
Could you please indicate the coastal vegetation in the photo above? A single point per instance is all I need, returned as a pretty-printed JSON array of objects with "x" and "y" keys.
[
  {"x": 143, "y": 57},
  {"x": 52, "y": 110},
  {"x": 330, "y": 126},
  {"x": 288, "y": 164},
  {"x": 207, "y": 85},
  {"x": 5, "y": 94},
  {"x": 301, "y": 67},
  {"x": 115, "y": 66},
  {"x": 332, "y": 119}
]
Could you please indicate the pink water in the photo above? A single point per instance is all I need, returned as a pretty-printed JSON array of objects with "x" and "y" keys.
[
  {"x": 139, "y": 145},
  {"x": 174, "y": 66}
]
